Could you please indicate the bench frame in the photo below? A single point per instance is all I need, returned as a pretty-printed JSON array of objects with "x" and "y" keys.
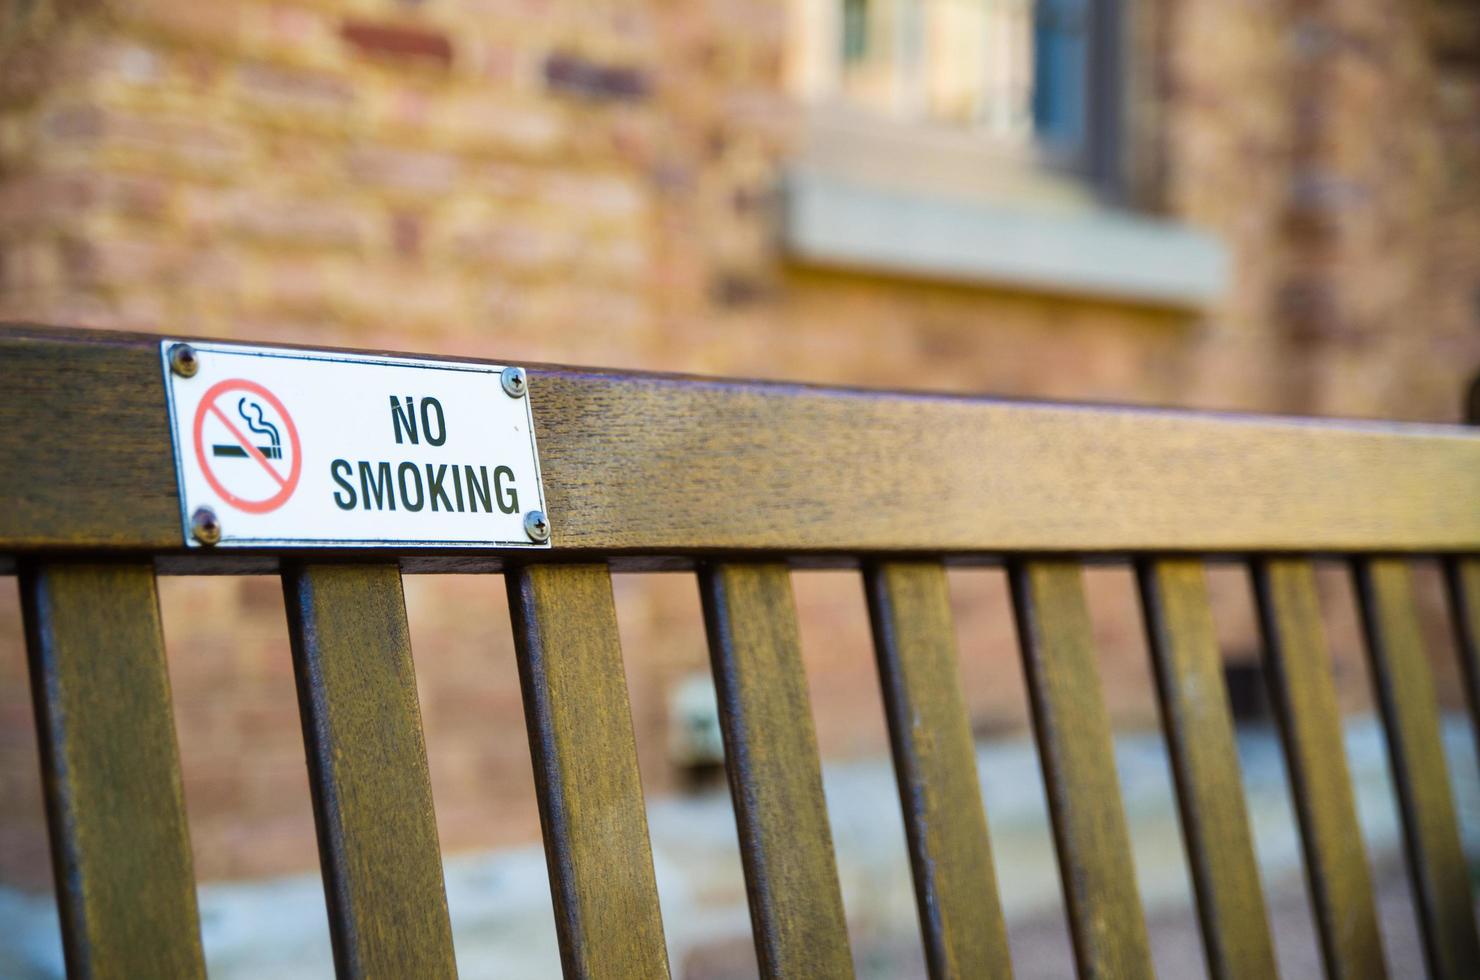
[{"x": 742, "y": 481}]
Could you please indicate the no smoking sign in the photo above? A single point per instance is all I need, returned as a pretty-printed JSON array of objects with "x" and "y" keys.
[
  {"x": 316, "y": 449},
  {"x": 247, "y": 446}
]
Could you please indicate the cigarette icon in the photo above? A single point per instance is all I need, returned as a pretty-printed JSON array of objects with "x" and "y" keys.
[
  {"x": 257, "y": 424},
  {"x": 222, "y": 449}
]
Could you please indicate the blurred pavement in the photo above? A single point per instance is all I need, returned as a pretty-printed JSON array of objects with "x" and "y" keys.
[{"x": 501, "y": 907}]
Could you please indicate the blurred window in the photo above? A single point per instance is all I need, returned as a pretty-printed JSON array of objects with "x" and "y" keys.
[{"x": 1033, "y": 77}]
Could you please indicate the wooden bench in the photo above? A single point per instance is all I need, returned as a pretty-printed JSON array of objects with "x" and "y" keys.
[{"x": 740, "y": 482}]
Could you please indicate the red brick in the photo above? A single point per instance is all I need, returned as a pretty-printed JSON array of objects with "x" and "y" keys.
[
  {"x": 169, "y": 135},
  {"x": 519, "y": 247},
  {"x": 81, "y": 124},
  {"x": 604, "y": 197},
  {"x": 299, "y": 91},
  {"x": 406, "y": 235},
  {"x": 136, "y": 64},
  {"x": 29, "y": 200},
  {"x": 142, "y": 198},
  {"x": 121, "y": 261},
  {"x": 217, "y": 24},
  {"x": 272, "y": 218},
  {"x": 398, "y": 42},
  {"x": 415, "y": 171},
  {"x": 498, "y": 125}
]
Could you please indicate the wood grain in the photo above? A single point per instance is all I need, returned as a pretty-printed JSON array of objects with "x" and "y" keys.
[
  {"x": 84, "y": 443},
  {"x": 367, "y": 767},
  {"x": 1074, "y": 747},
  {"x": 1462, "y": 581},
  {"x": 585, "y": 767},
  {"x": 1298, "y": 667},
  {"x": 791, "y": 880},
  {"x": 736, "y": 467},
  {"x": 1404, "y": 685},
  {"x": 1199, "y": 729},
  {"x": 111, "y": 772},
  {"x": 935, "y": 765}
]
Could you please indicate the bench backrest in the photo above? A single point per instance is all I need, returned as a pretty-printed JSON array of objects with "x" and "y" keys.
[{"x": 739, "y": 482}]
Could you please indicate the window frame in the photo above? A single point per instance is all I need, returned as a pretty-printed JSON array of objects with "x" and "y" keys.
[{"x": 1095, "y": 160}]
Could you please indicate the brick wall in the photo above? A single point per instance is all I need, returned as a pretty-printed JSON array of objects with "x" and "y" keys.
[{"x": 539, "y": 180}]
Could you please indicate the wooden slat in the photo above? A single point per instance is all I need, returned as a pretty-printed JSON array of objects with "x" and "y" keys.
[
  {"x": 585, "y": 767},
  {"x": 935, "y": 764},
  {"x": 1299, "y": 671},
  {"x": 796, "y": 907},
  {"x": 367, "y": 768},
  {"x": 1074, "y": 746},
  {"x": 1405, "y": 691},
  {"x": 111, "y": 771},
  {"x": 1199, "y": 729},
  {"x": 829, "y": 469},
  {"x": 823, "y": 471},
  {"x": 1462, "y": 577}
]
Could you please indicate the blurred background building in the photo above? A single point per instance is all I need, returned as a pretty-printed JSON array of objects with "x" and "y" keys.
[{"x": 1268, "y": 205}]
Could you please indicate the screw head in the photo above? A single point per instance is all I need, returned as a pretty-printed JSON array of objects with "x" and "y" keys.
[
  {"x": 512, "y": 378},
  {"x": 205, "y": 526},
  {"x": 184, "y": 361},
  {"x": 536, "y": 526}
]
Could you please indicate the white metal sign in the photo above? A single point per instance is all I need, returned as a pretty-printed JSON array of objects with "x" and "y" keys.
[{"x": 312, "y": 448}]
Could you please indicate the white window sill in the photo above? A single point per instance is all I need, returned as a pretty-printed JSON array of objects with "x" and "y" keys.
[{"x": 1083, "y": 250}]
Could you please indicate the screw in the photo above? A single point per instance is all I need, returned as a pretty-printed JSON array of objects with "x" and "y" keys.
[
  {"x": 184, "y": 361},
  {"x": 512, "y": 378},
  {"x": 536, "y": 526},
  {"x": 205, "y": 527}
]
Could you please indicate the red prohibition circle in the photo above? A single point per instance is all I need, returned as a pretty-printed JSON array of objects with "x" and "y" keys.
[{"x": 286, "y": 486}]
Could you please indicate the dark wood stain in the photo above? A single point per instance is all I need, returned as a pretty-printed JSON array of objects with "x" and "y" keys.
[
  {"x": 85, "y": 439},
  {"x": 1105, "y": 918},
  {"x": 1298, "y": 667},
  {"x": 796, "y": 906},
  {"x": 935, "y": 763},
  {"x": 1199, "y": 730},
  {"x": 367, "y": 765},
  {"x": 585, "y": 768},
  {"x": 111, "y": 772},
  {"x": 1404, "y": 685}
]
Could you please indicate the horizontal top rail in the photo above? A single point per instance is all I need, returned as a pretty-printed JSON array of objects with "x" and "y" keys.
[{"x": 655, "y": 467}]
